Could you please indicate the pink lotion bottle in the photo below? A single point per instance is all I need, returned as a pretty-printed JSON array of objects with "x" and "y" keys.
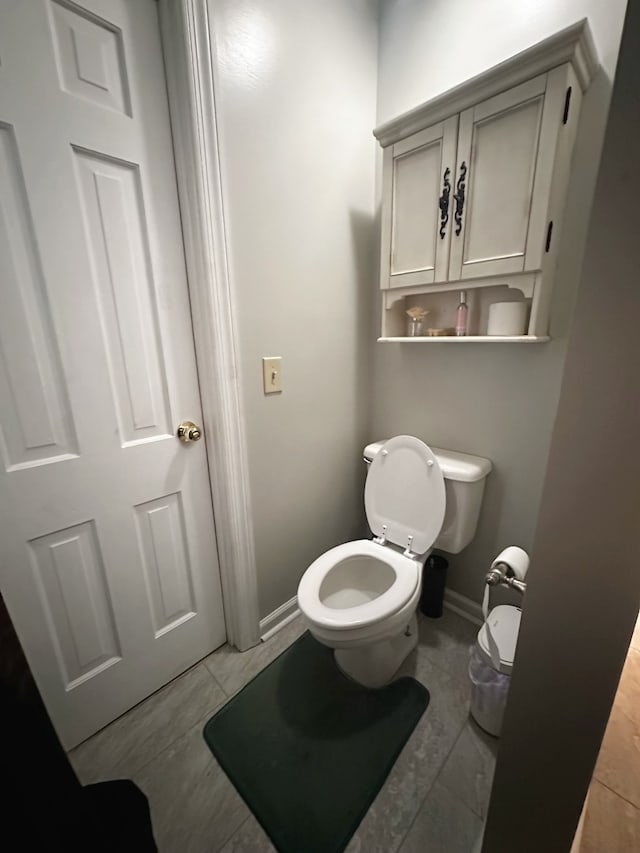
[{"x": 462, "y": 315}]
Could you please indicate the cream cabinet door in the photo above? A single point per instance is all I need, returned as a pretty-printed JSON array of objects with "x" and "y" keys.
[
  {"x": 506, "y": 153},
  {"x": 416, "y": 227}
]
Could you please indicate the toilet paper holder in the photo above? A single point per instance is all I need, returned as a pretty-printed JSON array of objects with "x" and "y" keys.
[{"x": 501, "y": 574}]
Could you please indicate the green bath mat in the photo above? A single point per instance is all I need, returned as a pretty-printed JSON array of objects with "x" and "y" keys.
[{"x": 308, "y": 749}]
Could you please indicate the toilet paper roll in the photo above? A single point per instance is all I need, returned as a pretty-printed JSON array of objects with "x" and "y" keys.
[
  {"x": 494, "y": 651},
  {"x": 507, "y": 318},
  {"x": 518, "y": 560}
]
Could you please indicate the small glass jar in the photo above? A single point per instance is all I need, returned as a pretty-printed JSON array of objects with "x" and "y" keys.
[{"x": 414, "y": 327}]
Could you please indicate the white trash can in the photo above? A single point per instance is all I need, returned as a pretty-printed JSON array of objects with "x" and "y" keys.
[{"x": 490, "y": 666}]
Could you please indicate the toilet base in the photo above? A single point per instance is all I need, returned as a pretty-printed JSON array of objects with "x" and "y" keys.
[{"x": 375, "y": 664}]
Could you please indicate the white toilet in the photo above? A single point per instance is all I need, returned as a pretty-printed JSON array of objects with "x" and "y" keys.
[{"x": 360, "y": 598}]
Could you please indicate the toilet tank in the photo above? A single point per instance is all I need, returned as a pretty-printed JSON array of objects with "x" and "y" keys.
[{"x": 464, "y": 479}]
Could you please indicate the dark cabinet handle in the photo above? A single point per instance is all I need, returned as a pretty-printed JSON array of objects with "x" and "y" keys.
[
  {"x": 459, "y": 198},
  {"x": 444, "y": 202}
]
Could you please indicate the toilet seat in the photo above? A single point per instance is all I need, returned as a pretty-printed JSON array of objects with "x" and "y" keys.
[{"x": 403, "y": 586}]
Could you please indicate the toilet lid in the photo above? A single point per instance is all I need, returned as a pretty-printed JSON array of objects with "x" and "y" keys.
[{"x": 405, "y": 492}]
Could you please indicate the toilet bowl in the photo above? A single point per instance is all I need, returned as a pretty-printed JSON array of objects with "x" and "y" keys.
[{"x": 360, "y": 598}]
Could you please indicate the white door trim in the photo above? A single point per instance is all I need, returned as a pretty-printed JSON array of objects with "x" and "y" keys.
[{"x": 189, "y": 69}]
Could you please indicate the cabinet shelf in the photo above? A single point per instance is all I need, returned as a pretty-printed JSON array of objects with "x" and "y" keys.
[
  {"x": 441, "y": 308},
  {"x": 469, "y": 339}
]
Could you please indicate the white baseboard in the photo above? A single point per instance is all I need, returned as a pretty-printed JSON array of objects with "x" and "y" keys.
[
  {"x": 280, "y": 617},
  {"x": 463, "y": 606}
]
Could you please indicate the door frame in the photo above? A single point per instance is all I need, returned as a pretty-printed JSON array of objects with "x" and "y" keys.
[{"x": 188, "y": 56}]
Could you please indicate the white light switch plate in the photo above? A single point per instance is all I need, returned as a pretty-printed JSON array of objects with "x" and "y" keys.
[{"x": 272, "y": 374}]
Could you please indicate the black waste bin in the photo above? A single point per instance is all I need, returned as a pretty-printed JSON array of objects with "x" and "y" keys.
[{"x": 434, "y": 581}]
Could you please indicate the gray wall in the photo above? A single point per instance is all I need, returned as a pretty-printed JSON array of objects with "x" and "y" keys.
[
  {"x": 584, "y": 581},
  {"x": 296, "y": 85},
  {"x": 296, "y": 88},
  {"x": 494, "y": 400}
]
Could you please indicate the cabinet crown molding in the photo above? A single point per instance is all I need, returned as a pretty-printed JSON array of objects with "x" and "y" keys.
[{"x": 574, "y": 44}]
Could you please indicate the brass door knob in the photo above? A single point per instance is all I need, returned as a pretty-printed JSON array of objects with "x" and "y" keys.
[{"x": 188, "y": 431}]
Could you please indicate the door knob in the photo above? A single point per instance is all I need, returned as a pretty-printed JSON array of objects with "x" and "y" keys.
[{"x": 188, "y": 431}]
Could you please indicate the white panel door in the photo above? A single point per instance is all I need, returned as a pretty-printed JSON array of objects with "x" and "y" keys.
[
  {"x": 107, "y": 548},
  {"x": 506, "y": 147},
  {"x": 418, "y": 172}
]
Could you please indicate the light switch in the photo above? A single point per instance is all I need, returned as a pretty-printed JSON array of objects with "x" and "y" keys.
[{"x": 272, "y": 374}]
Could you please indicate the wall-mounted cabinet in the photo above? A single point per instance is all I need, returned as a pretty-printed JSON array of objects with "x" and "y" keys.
[{"x": 474, "y": 184}]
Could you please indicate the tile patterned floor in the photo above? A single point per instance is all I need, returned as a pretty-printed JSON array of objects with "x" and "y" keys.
[
  {"x": 612, "y": 815},
  {"x": 433, "y": 801}
]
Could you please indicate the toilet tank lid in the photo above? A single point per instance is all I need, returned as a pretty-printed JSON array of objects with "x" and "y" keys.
[{"x": 462, "y": 467}]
